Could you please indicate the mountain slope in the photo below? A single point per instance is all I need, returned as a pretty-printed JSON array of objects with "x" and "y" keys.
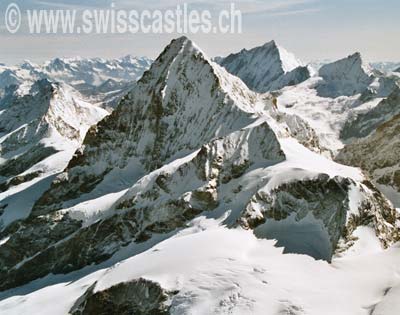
[
  {"x": 347, "y": 76},
  {"x": 345, "y": 100},
  {"x": 221, "y": 271},
  {"x": 366, "y": 122},
  {"x": 266, "y": 68},
  {"x": 378, "y": 155},
  {"x": 176, "y": 107},
  {"x": 40, "y": 131},
  {"x": 191, "y": 152}
]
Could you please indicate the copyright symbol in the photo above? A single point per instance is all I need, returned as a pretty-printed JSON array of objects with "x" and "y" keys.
[{"x": 13, "y": 18}]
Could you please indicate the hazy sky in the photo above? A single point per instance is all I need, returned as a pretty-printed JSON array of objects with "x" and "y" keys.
[{"x": 312, "y": 29}]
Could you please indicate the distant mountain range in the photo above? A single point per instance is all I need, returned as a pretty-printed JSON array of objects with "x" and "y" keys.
[{"x": 99, "y": 80}]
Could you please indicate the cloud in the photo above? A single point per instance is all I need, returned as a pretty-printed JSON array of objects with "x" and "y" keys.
[
  {"x": 246, "y": 6},
  {"x": 295, "y": 12},
  {"x": 66, "y": 5}
]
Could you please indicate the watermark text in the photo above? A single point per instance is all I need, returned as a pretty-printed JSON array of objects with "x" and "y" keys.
[{"x": 112, "y": 20}]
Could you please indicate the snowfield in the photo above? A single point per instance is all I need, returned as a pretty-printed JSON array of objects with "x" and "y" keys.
[{"x": 230, "y": 271}]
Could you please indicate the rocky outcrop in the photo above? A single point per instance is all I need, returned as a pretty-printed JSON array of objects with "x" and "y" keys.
[
  {"x": 365, "y": 123},
  {"x": 11, "y": 169},
  {"x": 295, "y": 214},
  {"x": 139, "y": 297},
  {"x": 378, "y": 155},
  {"x": 373, "y": 210}
]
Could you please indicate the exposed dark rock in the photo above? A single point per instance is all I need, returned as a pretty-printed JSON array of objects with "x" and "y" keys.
[
  {"x": 136, "y": 297},
  {"x": 366, "y": 123},
  {"x": 378, "y": 155},
  {"x": 325, "y": 198},
  {"x": 19, "y": 180},
  {"x": 23, "y": 162}
]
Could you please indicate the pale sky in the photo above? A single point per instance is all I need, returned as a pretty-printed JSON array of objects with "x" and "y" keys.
[{"x": 311, "y": 29}]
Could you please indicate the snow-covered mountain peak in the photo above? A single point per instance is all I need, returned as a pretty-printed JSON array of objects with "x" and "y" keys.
[
  {"x": 134, "y": 60},
  {"x": 183, "y": 61},
  {"x": 57, "y": 65},
  {"x": 184, "y": 45},
  {"x": 183, "y": 101},
  {"x": 28, "y": 65},
  {"x": 351, "y": 67},
  {"x": 267, "y": 67},
  {"x": 46, "y": 107},
  {"x": 287, "y": 59},
  {"x": 347, "y": 76}
]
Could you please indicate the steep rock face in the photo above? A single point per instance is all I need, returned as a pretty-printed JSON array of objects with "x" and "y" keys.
[
  {"x": 376, "y": 211},
  {"x": 139, "y": 297},
  {"x": 211, "y": 178},
  {"x": 347, "y": 76},
  {"x": 296, "y": 76},
  {"x": 8, "y": 78},
  {"x": 378, "y": 154},
  {"x": 302, "y": 132},
  {"x": 266, "y": 68},
  {"x": 364, "y": 123},
  {"x": 382, "y": 86},
  {"x": 302, "y": 199},
  {"x": 197, "y": 184},
  {"x": 179, "y": 104},
  {"x": 295, "y": 215}
]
